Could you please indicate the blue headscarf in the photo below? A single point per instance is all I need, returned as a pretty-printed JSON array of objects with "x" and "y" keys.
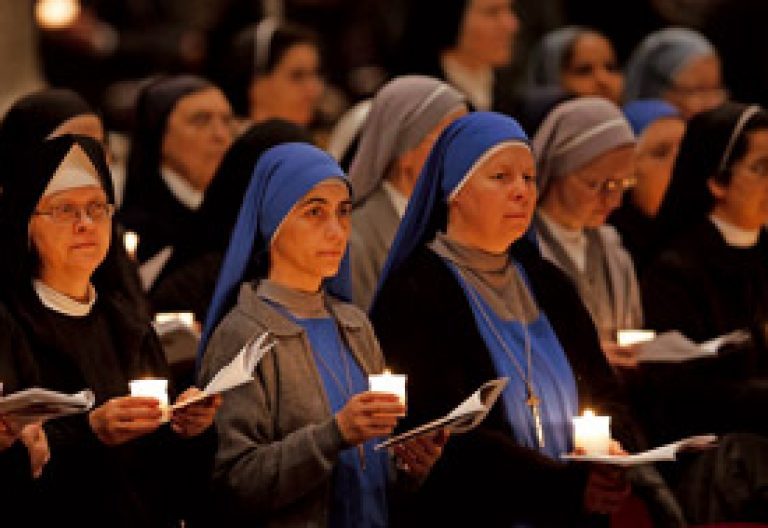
[
  {"x": 451, "y": 160},
  {"x": 281, "y": 177},
  {"x": 643, "y": 112},
  {"x": 658, "y": 59}
]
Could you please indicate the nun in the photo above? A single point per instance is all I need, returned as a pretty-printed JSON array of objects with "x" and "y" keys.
[
  {"x": 62, "y": 289},
  {"x": 584, "y": 154},
  {"x": 579, "y": 60},
  {"x": 188, "y": 280},
  {"x": 678, "y": 65},
  {"x": 454, "y": 309},
  {"x": 182, "y": 129},
  {"x": 712, "y": 278},
  {"x": 659, "y": 130},
  {"x": 275, "y": 73},
  {"x": 468, "y": 46},
  {"x": 297, "y": 443},
  {"x": 406, "y": 118}
]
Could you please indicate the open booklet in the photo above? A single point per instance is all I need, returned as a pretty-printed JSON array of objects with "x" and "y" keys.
[
  {"x": 237, "y": 372},
  {"x": 37, "y": 405},
  {"x": 674, "y": 347},
  {"x": 468, "y": 415},
  {"x": 660, "y": 454}
]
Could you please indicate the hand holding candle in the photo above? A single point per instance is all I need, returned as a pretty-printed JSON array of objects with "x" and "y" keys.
[
  {"x": 153, "y": 388},
  {"x": 592, "y": 434},
  {"x": 389, "y": 383}
]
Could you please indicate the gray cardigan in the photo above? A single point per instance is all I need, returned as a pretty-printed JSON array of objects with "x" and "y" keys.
[{"x": 278, "y": 440}]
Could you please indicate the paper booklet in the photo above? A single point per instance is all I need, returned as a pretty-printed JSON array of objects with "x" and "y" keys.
[
  {"x": 37, "y": 405},
  {"x": 468, "y": 415},
  {"x": 664, "y": 453},
  {"x": 237, "y": 372},
  {"x": 674, "y": 347}
]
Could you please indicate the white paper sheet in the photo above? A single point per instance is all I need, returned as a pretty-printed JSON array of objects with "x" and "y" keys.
[
  {"x": 674, "y": 347},
  {"x": 237, "y": 372},
  {"x": 38, "y": 405},
  {"x": 468, "y": 415}
]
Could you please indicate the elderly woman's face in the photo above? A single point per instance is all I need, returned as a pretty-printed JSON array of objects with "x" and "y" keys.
[
  {"x": 697, "y": 87},
  {"x": 592, "y": 69},
  {"x": 69, "y": 240},
  {"x": 487, "y": 31},
  {"x": 495, "y": 206},
  {"x": 313, "y": 237},
  {"x": 292, "y": 90},
  {"x": 744, "y": 200},
  {"x": 655, "y": 155},
  {"x": 588, "y": 195},
  {"x": 198, "y": 133}
]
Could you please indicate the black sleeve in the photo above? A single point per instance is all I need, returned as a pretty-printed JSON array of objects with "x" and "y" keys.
[{"x": 427, "y": 331}]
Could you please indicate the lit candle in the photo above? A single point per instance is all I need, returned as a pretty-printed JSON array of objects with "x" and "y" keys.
[
  {"x": 131, "y": 242},
  {"x": 56, "y": 14},
  {"x": 390, "y": 383},
  {"x": 185, "y": 318},
  {"x": 634, "y": 337},
  {"x": 153, "y": 388},
  {"x": 592, "y": 433}
]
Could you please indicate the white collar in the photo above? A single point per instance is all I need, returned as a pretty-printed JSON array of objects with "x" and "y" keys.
[
  {"x": 181, "y": 189},
  {"x": 734, "y": 235},
  {"x": 63, "y": 304},
  {"x": 574, "y": 241},
  {"x": 398, "y": 199},
  {"x": 476, "y": 85}
]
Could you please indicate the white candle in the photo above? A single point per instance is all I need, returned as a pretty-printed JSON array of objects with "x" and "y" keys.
[
  {"x": 131, "y": 242},
  {"x": 56, "y": 14},
  {"x": 592, "y": 433},
  {"x": 153, "y": 388},
  {"x": 185, "y": 318},
  {"x": 390, "y": 383},
  {"x": 634, "y": 337}
]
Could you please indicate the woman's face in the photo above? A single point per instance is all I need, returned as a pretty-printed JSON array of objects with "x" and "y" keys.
[
  {"x": 655, "y": 155},
  {"x": 495, "y": 206},
  {"x": 88, "y": 125},
  {"x": 292, "y": 90},
  {"x": 697, "y": 87},
  {"x": 199, "y": 131},
  {"x": 487, "y": 30},
  {"x": 67, "y": 243},
  {"x": 588, "y": 195},
  {"x": 592, "y": 69},
  {"x": 312, "y": 239},
  {"x": 744, "y": 200}
]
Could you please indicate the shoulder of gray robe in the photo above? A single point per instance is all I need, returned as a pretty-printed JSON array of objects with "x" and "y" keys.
[
  {"x": 621, "y": 269},
  {"x": 278, "y": 440},
  {"x": 374, "y": 225}
]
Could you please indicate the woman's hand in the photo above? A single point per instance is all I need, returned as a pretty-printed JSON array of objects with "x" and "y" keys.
[
  {"x": 620, "y": 356},
  {"x": 417, "y": 456},
  {"x": 607, "y": 486},
  {"x": 196, "y": 417},
  {"x": 34, "y": 438},
  {"x": 122, "y": 419},
  {"x": 369, "y": 415}
]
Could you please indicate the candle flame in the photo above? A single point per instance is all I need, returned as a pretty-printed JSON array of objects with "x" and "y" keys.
[
  {"x": 589, "y": 412},
  {"x": 131, "y": 241},
  {"x": 387, "y": 372},
  {"x": 57, "y": 14}
]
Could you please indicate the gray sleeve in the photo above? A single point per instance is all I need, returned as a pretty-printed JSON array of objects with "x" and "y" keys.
[
  {"x": 365, "y": 275},
  {"x": 264, "y": 472}
]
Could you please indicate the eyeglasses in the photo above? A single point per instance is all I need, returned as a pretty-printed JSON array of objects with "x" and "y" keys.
[
  {"x": 610, "y": 185},
  {"x": 714, "y": 92},
  {"x": 70, "y": 213}
]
